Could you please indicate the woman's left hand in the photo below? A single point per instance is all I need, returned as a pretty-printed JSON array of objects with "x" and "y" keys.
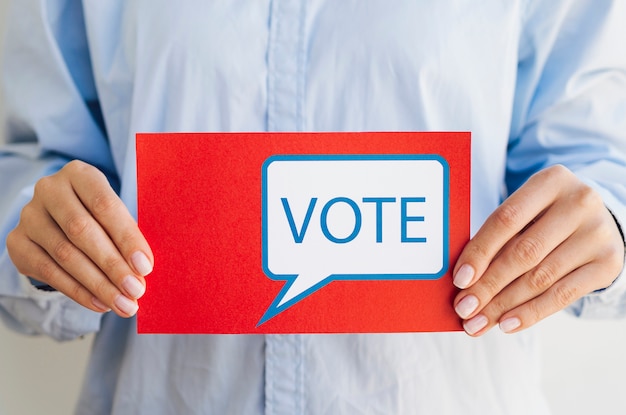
[{"x": 550, "y": 243}]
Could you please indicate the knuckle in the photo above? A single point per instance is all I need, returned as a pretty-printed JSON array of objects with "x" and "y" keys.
[
  {"x": 63, "y": 251},
  {"x": 613, "y": 253},
  {"x": 508, "y": 216},
  {"x": 28, "y": 213},
  {"x": 110, "y": 263},
  {"x": 554, "y": 174},
  {"x": 12, "y": 240},
  {"x": 527, "y": 250},
  {"x": 100, "y": 288},
  {"x": 586, "y": 198},
  {"x": 77, "y": 226},
  {"x": 558, "y": 171},
  {"x": 564, "y": 295},
  {"x": 534, "y": 312},
  {"x": 541, "y": 278},
  {"x": 43, "y": 186},
  {"x": 103, "y": 203},
  {"x": 128, "y": 238},
  {"x": 75, "y": 167},
  {"x": 497, "y": 307},
  {"x": 490, "y": 286},
  {"x": 75, "y": 291},
  {"x": 46, "y": 271},
  {"x": 616, "y": 258},
  {"x": 476, "y": 250}
]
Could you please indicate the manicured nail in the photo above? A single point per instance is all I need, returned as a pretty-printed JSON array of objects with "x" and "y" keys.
[
  {"x": 99, "y": 304},
  {"x": 476, "y": 324},
  {"x": 133, "y": 286},
  {"x": 126, "y": 305},
  {"x": 510, "y": 324},
  {"x": 466, "y": 306},
  {"x": 141, "y": 263},
  {"x": 464, "y": 276}
]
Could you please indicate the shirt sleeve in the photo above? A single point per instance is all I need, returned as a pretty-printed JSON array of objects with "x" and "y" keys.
[
  {"x": 570, "y": 109},
  {"x": 52, "y": 117}
]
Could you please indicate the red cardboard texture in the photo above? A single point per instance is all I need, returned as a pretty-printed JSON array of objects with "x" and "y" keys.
[{"x": 206, "y": 206}]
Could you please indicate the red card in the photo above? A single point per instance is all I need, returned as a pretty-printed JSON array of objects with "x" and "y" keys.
[{"x": 302, "y": 232}]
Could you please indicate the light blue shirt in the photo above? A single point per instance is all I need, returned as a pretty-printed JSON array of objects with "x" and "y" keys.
[{"x": 536, "y": 82}]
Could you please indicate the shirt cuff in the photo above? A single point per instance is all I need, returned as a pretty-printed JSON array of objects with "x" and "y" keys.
[{"x": 29, "y": 310}]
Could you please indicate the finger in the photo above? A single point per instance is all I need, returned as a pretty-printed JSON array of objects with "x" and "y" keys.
[
  {"x": 562, "y": 294},
  {"x": 523, "y": 253},
  {"x": 594, "y": 245},
  {"x": 110, "y": 212},
  {"x": 86, "y": 234},
  {"x": 561, "y": 262},
  {"x": 75, "y": 263},
  {"x": 605, "y": 257},
  {"x": 30, "y": 259},
  {"x": 575, "y": 252},
  {"x": 508, "y": 220}
]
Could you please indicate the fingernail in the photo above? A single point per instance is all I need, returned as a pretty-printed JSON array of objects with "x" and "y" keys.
[
  {"x": 466, "y": 306},
  {"x": 126, "y": 305},
  {"x": 141, "y": 263},
  {"x": 99, "y": 304},
  {"x": 133, "y": 286},
  {"x": 464, "y": 276},
  {"x": 510, "y": 324},
  {"x": 476, "y": 324}
]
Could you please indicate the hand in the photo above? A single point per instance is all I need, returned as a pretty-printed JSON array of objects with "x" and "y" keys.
[
  {"x": 77, "y": 236},
  {"x": 550, "y": 243}
]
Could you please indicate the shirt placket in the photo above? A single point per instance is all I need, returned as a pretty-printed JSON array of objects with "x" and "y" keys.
[
  {"x": 286, "y": 66},
  {"x": 284, "y": 363}
]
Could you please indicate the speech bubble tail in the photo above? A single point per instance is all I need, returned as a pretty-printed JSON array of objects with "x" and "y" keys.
[
  {"x": 296, "y": 289},
  {"x": 271, "y": 312}
]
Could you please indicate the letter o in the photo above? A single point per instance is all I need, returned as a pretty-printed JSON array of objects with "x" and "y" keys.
[{"x": 324, "y": 220}]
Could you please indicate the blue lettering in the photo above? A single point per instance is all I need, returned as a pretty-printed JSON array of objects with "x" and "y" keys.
[
  {"x": 298, "y": 236},
  {"x": 379, "y": 213},
  {"x": 324, "y": 220},
  {"x": 405, "y": 219}
]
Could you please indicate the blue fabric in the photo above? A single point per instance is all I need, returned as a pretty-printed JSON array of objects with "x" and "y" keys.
[{"x": 536, "y": 82}]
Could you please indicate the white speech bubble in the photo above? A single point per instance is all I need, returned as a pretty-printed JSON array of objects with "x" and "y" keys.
[{"x": 352, "y": 217}]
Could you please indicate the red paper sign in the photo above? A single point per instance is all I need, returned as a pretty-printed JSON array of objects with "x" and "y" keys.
[{"x": 302, "y": 232}]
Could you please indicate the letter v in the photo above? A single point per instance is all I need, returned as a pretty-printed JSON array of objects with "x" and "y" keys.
[{"x": 298, "y": 236}]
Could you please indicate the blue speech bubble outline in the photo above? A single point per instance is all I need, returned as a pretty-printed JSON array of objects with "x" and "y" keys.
[{"x": 274, "y": 309}]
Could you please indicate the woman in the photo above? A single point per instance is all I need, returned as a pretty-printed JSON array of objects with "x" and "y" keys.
[{"x": 541, "y": 86}]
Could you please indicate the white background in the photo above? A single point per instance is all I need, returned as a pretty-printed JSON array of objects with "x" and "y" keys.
[{"x": 584, "y": 361}]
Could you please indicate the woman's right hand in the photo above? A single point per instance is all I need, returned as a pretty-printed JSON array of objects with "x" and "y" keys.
[{"x": 77, "y": 236}]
